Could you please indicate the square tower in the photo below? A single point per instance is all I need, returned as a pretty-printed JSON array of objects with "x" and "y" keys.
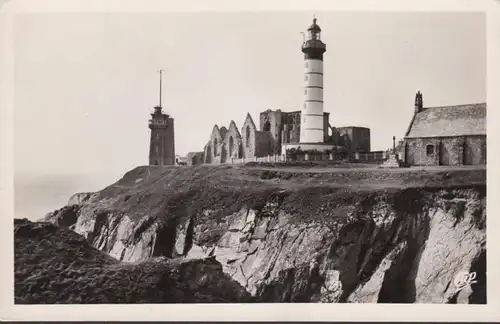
[{"x": 162, "y": 143}]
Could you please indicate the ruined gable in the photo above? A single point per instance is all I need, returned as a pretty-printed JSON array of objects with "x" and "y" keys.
[
  {"x": 248, "y": 135},
  {"x": 216, "y": 144},
  {"x": 233, "y": 142}
]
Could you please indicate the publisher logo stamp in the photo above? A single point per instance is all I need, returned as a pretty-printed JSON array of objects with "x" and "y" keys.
[{"x": 464, "y": 279}]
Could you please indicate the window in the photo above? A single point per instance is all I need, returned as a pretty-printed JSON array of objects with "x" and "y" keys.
[
  {"x": 305, "y": 91},
  {"x": 305, "y": 105},
  {"x": 247, "y": 138},
  {"x": 156, "y": 150},
  {"x": 430, "y": 149},
  {"x": 307, "y": 65},
  {"x": 231, "y": 144},
  {"x": 157, "y": 136},
  {"x": 305, "y": 78}
]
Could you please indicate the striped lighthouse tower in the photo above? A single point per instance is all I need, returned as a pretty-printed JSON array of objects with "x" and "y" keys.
[{"x": 312, "y": 122}]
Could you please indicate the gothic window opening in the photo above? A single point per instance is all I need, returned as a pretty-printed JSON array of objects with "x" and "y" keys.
[
  {"x": 240, "y": 150},
  {"x": 215, "y": 147},
  {"x": 267, "y": 126},
  {"x": 157, "y": 151},
  {"x": 247, "y": 138},
  {"x": 231, "y": 144}
]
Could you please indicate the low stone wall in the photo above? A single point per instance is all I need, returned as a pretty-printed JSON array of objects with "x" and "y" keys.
[
  {"x": 370, "y": 157},
  {"x": 270, "y": 158}
]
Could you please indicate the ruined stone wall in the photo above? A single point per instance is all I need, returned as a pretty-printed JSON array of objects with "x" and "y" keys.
[
  {"x": 361, "y": 139},
  {"x": 248, "y": 135},
  {"x": 207, "y": 152},
  {"x": 216, "y": 145},
  {"x": 195, "y": 158},
  {"x": 272, "y": 122},
  {"x": 263, "y": 144},
  {"x": 334, "y": 138},
  {"x": 291, "y": 127},
  {"x": 469, "y": 150},
  {"x": 354, "y": 139},
  {"x": 233, "y": 144}
]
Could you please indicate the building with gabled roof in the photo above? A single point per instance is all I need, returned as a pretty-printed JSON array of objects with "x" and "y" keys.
[{"x": 448, "y": 135}]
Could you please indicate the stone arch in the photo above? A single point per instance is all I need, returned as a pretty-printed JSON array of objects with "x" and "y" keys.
[{"x": 267, "y": 126}]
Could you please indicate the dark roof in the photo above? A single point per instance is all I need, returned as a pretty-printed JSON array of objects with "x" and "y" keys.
[
  {"x": 449, "y": 121},
  {"x": 314, "y": 27}
]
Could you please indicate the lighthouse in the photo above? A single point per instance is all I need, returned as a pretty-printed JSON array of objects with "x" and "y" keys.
[
  {"x": 313, "y": 140},
  {"x": 312, "y": 120}
]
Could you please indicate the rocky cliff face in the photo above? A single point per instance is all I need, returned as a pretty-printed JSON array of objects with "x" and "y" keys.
[
  {"x": 55, "y": 265},
  {"x": 289, "y": 237}
]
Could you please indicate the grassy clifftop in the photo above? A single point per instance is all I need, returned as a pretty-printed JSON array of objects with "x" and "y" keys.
[{"x": 183, "y": 191}]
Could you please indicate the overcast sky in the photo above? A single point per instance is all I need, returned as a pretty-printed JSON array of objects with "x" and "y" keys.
[{"x": 86, "y": 83}]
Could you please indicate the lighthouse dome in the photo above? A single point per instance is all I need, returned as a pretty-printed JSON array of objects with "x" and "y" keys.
[{"x": 314, "y": 27}]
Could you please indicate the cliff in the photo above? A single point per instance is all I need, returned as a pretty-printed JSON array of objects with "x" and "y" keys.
[
  {"x": 55, "y": 265},
  {"x": 291, "y": 235}
]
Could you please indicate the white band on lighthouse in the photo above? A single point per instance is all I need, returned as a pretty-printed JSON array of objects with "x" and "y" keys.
[{"x": 312, "y": 123}]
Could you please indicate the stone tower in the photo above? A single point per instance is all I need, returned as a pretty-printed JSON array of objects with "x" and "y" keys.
[
  {"x": 312, "y": 123},
  {"x": 162, "y": 143}
]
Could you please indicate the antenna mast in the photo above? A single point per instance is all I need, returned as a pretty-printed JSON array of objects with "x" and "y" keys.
[{"x": 161, "y": 72}]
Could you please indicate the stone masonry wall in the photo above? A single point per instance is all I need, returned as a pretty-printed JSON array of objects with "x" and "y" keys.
[
  {"x": 271, "y": 121},
  {"x": 475, "y": 150},
  {"x": 233, "y": 144},
  {"x": 291, "y": 127},
  {"x": 470, "y": 150},
  {"x": 355, "y": 139},
  {"x": 216, "y": 144},
  {"x": 263, "y": 144},
  {"x": 195, "y": 158}
]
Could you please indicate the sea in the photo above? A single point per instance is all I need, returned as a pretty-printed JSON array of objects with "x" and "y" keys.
[{"x": 36, "y": 195}]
